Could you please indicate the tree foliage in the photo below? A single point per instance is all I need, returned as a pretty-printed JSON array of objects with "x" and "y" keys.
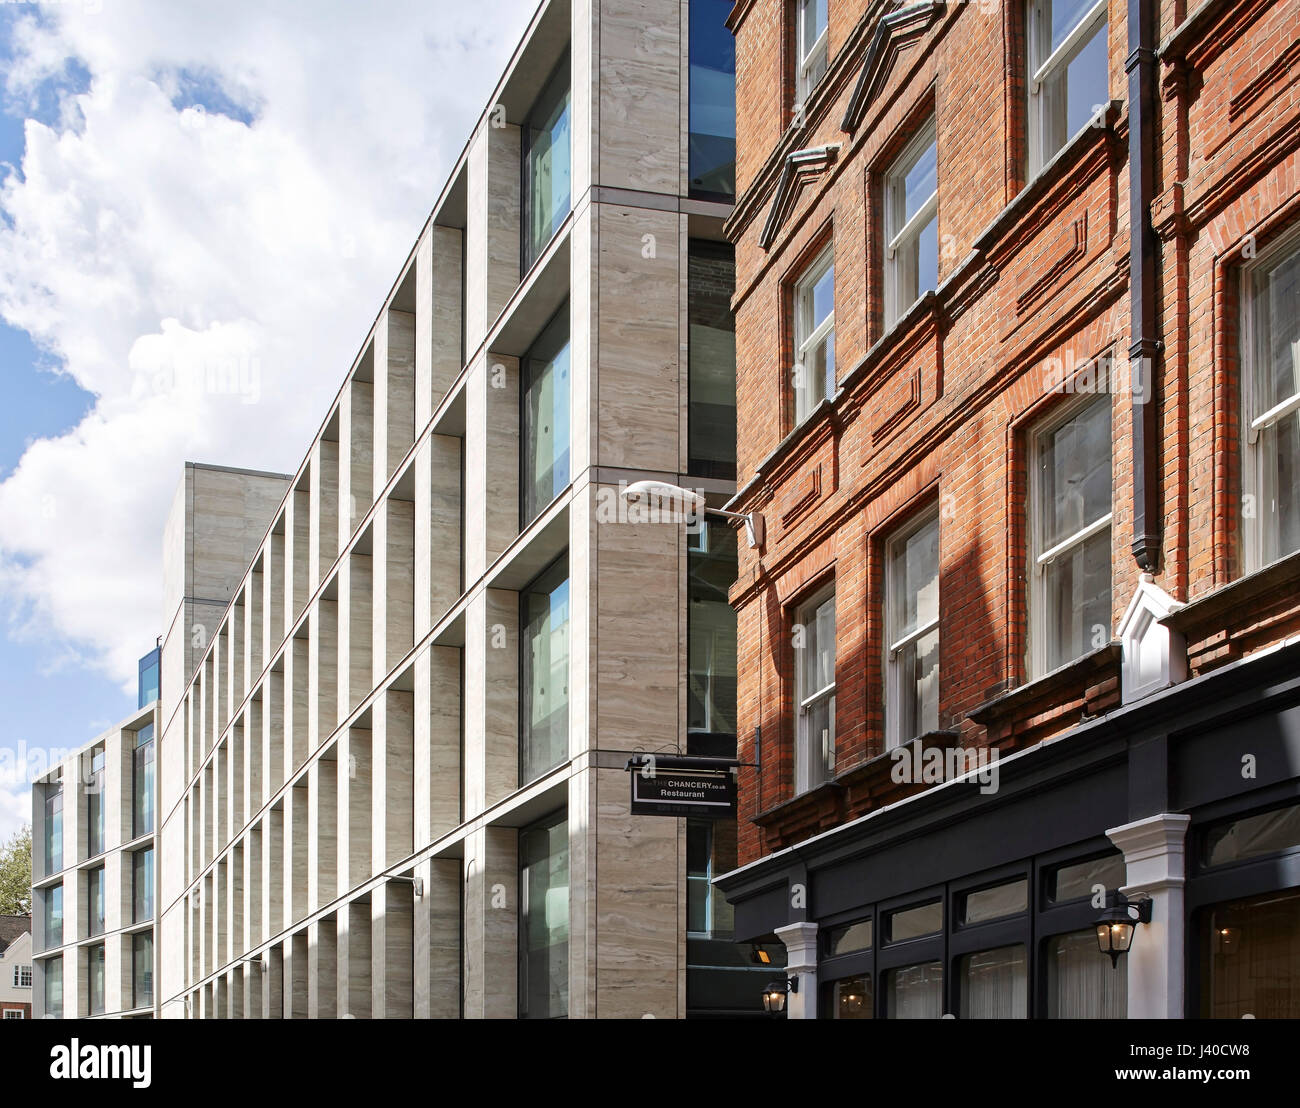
[{"x": 16, "y": 875}]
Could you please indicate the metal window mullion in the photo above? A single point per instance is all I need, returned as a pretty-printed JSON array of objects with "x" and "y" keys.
[
  {"x": 1095, "y": 527},
  {"x": 1064, "y": 54},
  {"x": 913, "y": 636}
]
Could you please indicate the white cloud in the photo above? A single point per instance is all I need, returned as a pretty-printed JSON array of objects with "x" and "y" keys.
[{"x": 208, "y": 277}]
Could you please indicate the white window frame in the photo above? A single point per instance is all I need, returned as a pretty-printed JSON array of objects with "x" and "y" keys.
[
  {"x": 22, "y": 976},
  {"x": 14, "y": 1014},
  {"x": 814, "y": 764},
  {"x": 1259, "y": 539},
  {"x": 900, "y": 234},
  {"x": 813, "y": 56},
  {"x": 1046, "y": 69},
  {"x": 894, "y": 642},
  {"x": 809, "y": 335},
  {"x": 1040, "y": 559}
]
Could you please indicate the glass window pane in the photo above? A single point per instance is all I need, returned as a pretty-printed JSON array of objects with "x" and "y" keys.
[
  {"x": 852, "y": 998},
  {"x": 1081, "y": 983},
  {"x": 54, "y": 987},
  {"x": 546, "y": 418},
  {"x": 1080, "y": 879},
  {"x": 847, "y": 939},
  {"x": 142, "y": 883},
  {"x": 546, "y": 165},
  {"x": 95, "y": 979},
  {"x": 1279, "y": 448},
  {"x": 1076, "y": 587},
  {"x": 1087, "y": 84},
  {"x": 95, "y": 900},
  {"x": 1252, "y": 836},
  {"x": 53, "y": 828},
  {"x": 1065, "y": 14},
  {"x": 911, "y": 923},
  {"x": 915, "y": 578},
  {"x": 995, "y": 903},
  {"x": 54, "y": 916},
  {"x": 545, "y": 685},
  {"x": 711, "y": 633},
  {"x": 1074, "y": 473},
  {"x": 822, "y": 297},
  {"x": 712, "y": 99},
  {"x": 994, "y": 984},
  {"x": 711, "y": 278},
  {"x": 1276, "y": 323},
  {"x": 915, "y": 992},
  {"x": 1251, "y": 951},
  {"x": 544, "y": 921},
  {"x": 142, "y": 967},
  {"x": 920, "y": 181}
]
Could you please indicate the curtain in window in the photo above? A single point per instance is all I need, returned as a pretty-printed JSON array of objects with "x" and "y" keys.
[{"x": 1081, "y": 984}]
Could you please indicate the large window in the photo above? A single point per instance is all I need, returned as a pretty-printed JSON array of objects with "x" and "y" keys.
[
  {"x": 1251, "y": 954},
  {"x": 96, "y": 900},
  {"x": 812, "y": 39},
  {"x": 546, "y": 165},
  {"x": 912, "y": 633},
  {"x": 53, "y": 828},
  {"x": 1271, "y": 351},
  {"x": 95, "y": 804},
  {"x": 911, "y": 198},
  {"x": 142, "y": 969},
  {"x": 712, "y": 101},
  {"x": 711, "y": 639},
  {"x": 1068, "y": 72},
  {"x": 1069, "y": 564},
  {"x": 545, "y": 446},
  {"x": 544, "y": 919},
  {"x": 142, "y": 885},
  {"x": 711, "y": 359},
  {"x": 814, "y": 336},
  {"x": 53, "y": 916},
  {"x": 54, "y": 987},
  {"x": 95, "y": 979},
  {"x": 544, "y": 683},
  {"x": 815, "y": 689},
  {"x": 142, "y": 781},
  {"x": 914, "y": 992}
]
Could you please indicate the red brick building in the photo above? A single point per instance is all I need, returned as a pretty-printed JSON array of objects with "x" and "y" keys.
[{"x": 1018, "y": 390}]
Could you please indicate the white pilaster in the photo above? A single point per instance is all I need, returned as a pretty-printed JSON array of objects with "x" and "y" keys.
[
  {"x": 1154, "y": 853},
  {"x": 801, "y": 963}
]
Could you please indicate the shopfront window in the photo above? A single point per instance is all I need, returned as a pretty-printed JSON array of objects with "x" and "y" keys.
[
  {"x": 1251, "y": 951},
  {"x": 914, "y": 992},
  {"x": 994, "y": 984},
  {"x": 1081, "y": 982}
]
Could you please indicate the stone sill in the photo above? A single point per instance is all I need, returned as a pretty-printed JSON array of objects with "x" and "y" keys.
[
  {"x": 1079, "y": 674},
  {"x": 1211, "y": 614}
]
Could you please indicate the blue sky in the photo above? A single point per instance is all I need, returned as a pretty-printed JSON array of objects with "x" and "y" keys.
[
  {"x": 49, "y": 698},
  {"x": 187, "y": 190}
]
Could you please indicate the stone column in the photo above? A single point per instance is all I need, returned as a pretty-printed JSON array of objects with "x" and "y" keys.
[{"x": 1154, "y": 853}]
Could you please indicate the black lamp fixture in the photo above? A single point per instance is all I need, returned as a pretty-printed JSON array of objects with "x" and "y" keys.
[
  {"x": 774, "y": 994},
  {"x": 1116, "y": 927}
]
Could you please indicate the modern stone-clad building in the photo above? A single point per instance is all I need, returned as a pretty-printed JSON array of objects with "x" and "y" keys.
[
  {"x": 400, "y": 687},
  {"x": 95, "y": 813},
  {"x": 94, "y": 827},
  {"x": 1018, "y": 377}
]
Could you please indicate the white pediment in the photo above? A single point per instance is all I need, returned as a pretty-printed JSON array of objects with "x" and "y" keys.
[{"x": 1155, "y": 657}]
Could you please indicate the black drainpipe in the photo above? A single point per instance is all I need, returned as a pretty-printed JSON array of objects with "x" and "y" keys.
[{"x": 1145, "y": 345}]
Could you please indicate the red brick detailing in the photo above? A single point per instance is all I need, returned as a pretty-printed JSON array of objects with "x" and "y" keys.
[{"x": 939, "y": 408}]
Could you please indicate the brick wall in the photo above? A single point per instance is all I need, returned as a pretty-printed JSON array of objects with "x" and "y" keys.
[{"x": 936, "y": 410}]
